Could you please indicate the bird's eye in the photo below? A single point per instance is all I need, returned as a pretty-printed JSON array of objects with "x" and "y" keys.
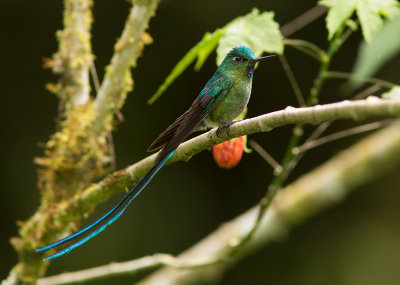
[{"x": 237, "y": 58}]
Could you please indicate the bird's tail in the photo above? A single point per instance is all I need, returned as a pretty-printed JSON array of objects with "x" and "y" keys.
[{"x": 98, "y": 226}]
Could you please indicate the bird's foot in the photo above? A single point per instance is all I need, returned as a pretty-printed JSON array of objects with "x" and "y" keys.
[{"x": 228, "y": 128}]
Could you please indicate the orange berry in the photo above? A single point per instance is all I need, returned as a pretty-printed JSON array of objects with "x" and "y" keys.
[{"x": 228, "y": 153}]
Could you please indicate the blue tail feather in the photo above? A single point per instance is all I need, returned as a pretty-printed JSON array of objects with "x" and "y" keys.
[{"x": 98, "y": 226}]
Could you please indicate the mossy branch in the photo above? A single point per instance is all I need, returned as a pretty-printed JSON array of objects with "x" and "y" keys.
[
  {"x": 117, "y": 80},
  {"x": 321, "y": 188},
  {"x": 78, "y": 153},
  {"x": 74, "y": 55},
  {"x": 77, "y": 207},
  {"x": 72, "y": 62}
]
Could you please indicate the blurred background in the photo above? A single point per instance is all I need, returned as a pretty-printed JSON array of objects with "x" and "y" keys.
[{"x": 355, "y": 242}]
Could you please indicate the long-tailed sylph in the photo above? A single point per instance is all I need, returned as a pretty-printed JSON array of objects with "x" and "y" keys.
[{"x": 222, "y": 99}]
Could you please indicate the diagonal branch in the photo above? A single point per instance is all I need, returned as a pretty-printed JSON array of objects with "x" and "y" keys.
[
  {"x": 117, "y": 80},
  {"x": 323, "y": 187},
  {"x": 303, "y": 20},
  {"x": 307, "y": 196},
  {"x": 292, "y": 81},
  {"x": 342, "y": 134},
  {"x": 77, "y": 207}
]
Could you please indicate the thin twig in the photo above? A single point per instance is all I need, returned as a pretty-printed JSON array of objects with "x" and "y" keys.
[
  {"x": 343, "y": 134},
  {"x": 321, "y": 129},
  {"x": 367, "y": 92},
  {"x": 111, "y": 148},
  {"x": 351, "y": 76},
  {"x": 306, "y": 51},
  {"x": 110, "y": 140},
  {"x": 303, "y": 20},
  {"x": 291, "y": 159},
  {"x": 292, "y": 81},
  {"x": 298, "y": 156},
  {"x": 334, "y": 45},
  {"x": 307, "y": 47},
  {"x": 95, "y": 78},
  {"x": 264, "y": 154}
]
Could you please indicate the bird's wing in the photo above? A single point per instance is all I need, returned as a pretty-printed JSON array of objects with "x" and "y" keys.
[{"x": 213, "y": 93}]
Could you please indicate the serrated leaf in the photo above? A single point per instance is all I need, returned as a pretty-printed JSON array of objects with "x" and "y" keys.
[
  {"x": 256, "y": 30},
  {"x": 393, "y": 93},
  {"x": 338, "y": 13},
  {"x": 370, "y": 21},
  {"x": 384, "y": 46},
  {"x": 369, "y": 12},
  {"x": 200, "y": 51}
]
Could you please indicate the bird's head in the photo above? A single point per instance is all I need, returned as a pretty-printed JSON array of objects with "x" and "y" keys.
[{"x": 240, "y": 61}]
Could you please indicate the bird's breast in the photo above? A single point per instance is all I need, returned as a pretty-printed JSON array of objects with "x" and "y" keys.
[{"x": 231, "y": 106}]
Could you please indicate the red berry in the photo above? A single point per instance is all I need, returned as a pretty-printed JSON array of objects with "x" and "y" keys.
[{"x": 228, "y": 153}]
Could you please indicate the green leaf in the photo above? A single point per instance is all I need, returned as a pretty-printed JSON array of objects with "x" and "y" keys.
[
  {"x": 393, "y": 93},
  {"x": 339, "y": 12},
  {"x": 200, "y": 51},
  {"x": 369, "y": 12},
  {"x": 384, "y": 46},
  {"x": 209, "y": 45},
  {"x": 256, "y": 30}
]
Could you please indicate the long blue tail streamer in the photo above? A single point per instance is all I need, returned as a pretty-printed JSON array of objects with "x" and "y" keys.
[{"x": 98, "y": 226}]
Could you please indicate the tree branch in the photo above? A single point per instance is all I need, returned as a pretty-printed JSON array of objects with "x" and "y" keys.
[
  {"x": 117, "y": 80},
  {"x": 78, "y": 153},
  {"x": 72, "y": 62},
  {"x": 342, "y": 134},
  {"x": 321, "y": 188},
  {"x": 74, "y": 55},
  {"x": 292, "y": 81},
  {"x": 315, "y": 191},
  {"x": 350, "y": 76},
  {"x": 77, "y": 207},
  {"x": 303, "y": 20}
]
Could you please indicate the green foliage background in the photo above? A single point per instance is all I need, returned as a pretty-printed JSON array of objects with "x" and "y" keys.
[{"x": 356, "y": 242}]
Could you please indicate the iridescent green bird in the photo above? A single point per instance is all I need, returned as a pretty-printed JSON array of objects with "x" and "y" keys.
[{"x": 222, "y": 99}]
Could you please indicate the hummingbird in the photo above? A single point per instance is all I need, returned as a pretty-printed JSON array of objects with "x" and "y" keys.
[{"x": 221, "y": 100}]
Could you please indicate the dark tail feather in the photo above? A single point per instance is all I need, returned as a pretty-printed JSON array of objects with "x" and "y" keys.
[{"x": 98, "y": 226}]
